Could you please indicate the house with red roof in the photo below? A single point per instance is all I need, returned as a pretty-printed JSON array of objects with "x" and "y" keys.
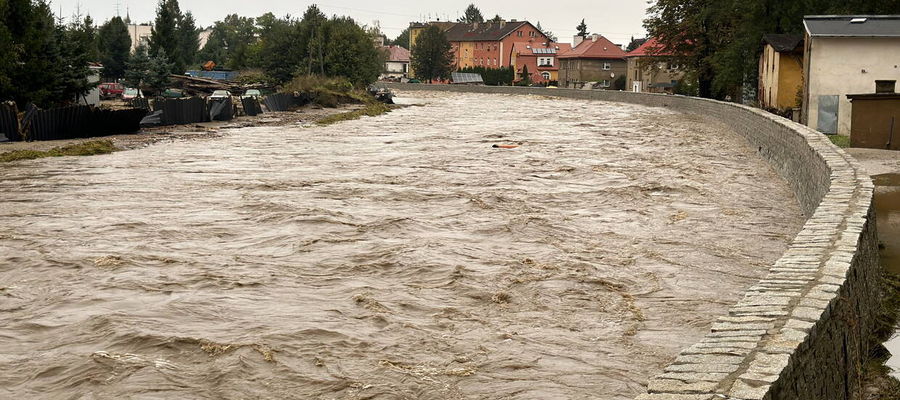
[
  {"x": 485, "y": 44},
  {"x": 593, "y": 60},
  {"x": 396, "y": 64},
  {"x": 538, "y": 60},
  {"x": 650, "y": 69}
]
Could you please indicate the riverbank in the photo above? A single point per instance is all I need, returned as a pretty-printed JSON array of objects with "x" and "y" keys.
[{"x": 304, "y": 116}]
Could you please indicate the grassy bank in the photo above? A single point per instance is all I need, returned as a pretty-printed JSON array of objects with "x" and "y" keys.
[
  {"x": 79, "y": 149},
  {"x": 879, "y": 384},
  {"x": 328, "y": 92},
  {"x": 840, "y": 140},
  {"x": 370, "y": 110}
]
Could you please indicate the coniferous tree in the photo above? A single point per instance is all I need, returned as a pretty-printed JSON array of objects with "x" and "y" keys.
[
  {"x": 472, "y": 14},
  {"x": 157, "y": 78},
  {"x": 582, "y": 29},
  {"x": 114, "y": 45},
  {"x": 312, "y": 33},
  {"x": 84, "y": 34},
  {"x": 39, "y": 63},
  {"x": 431, "y": 56},
  {"x": 137, "y": 67},
  {"x": 164, "y": 38},
  {"x": 188, "y": 39},
  {"x": 72, "y": 73},
  {"x": 547, "y": 32},
  {"x": 6, "y": 47}
]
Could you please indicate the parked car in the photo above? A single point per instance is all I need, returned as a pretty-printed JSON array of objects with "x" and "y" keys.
[
  {"x": 173, "y": 93},
  {"x": 252, "y": 93},
  {"x": 220, "y": 95},
  {"x": 131, "y": 93},
  {"x": 110, "y": 90}
]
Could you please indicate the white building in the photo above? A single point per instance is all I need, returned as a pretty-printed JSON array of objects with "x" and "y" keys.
[
  {"x": 845, "y": 55},
  {"x": 92, "y": 98},
  {"x": 396, "y": 64},
  {"x": 140, "y": 35}
]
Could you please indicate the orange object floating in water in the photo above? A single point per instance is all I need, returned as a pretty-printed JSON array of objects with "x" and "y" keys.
[{"x": 504, "y": 146}]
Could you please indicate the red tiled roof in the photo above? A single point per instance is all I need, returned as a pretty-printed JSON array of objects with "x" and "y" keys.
[
  {"x": 599, "y": 48},
  {"x": 650, "y": 48},
  {"x": 396, "y": 53}
]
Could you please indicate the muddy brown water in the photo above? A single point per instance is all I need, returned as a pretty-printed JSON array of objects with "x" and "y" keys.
[
  {"x": 887, "y": 208},
  {"x": 400, "y": 257}
]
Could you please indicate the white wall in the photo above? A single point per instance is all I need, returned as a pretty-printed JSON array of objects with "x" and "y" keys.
[{"x": 842, "y": 66}]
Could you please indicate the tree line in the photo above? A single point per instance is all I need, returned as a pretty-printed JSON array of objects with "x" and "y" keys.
[
  {"x": 286, "y": 47},
  {"x": 45, "y": 61},
  {"x": 719, "y": 40},
  {"x": 42, "y": 60}
]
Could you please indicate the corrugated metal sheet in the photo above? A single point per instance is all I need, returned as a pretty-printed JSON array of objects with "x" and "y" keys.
[
  {"x": 189, "y": 110},
  {"x": 279, "y": 102},
  {"x": 9, "y": 122},
  {"x": 217, "y": 75},
  {"x": 251, "y": 106},
  {"x": 221, "y": 110},
  {"x": 78, "y": 122}
]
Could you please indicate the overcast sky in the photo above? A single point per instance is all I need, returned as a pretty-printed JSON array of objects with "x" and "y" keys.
[{"x": 618, "y": 20}]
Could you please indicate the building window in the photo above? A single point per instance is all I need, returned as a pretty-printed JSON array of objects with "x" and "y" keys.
[
  {"x": 495, "y": 61},
  {"x": 607, "y": 66},
  {"x": 519, "y": 33},
  {"x": 885, "y": 86},
  {"x": 604, "y": 83},
  {"x": 531, "y": 33},
  {"x": 545, "y": 75}
]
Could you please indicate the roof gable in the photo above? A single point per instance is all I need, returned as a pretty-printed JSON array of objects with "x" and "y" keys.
[
  {"x": 396, "y": 53},
  {"x": 484, "y": 31},
  {"x": 595, "y": 47},
  {"x": 783, "y": 42},
  {"x": 651, "y": 47}
]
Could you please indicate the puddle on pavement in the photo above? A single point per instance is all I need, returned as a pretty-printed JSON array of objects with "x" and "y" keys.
[{"x": 887, "y": 208}]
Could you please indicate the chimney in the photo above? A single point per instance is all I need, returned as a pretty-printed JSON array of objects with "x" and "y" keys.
[
  {"x": 577, "y": 40},
  {"x": 594, "y": 37}
]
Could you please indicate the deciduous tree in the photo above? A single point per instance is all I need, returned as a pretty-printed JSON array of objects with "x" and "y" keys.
[{"x": 431, "y": 55}]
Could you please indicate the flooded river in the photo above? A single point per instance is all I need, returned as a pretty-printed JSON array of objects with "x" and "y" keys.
[{"x": 400, "y": 257}]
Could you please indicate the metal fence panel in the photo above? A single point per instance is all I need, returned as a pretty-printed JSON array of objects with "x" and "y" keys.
[
  {"x": 190, "y": 110},
  {"x": 251, "y": 106},
  {"x": 78, "y": 122},
  {"x": 279, "y": 102},
  {"x": 9, "y": 122}
]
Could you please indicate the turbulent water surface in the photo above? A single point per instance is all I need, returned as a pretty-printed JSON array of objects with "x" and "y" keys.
[{"x": 397, "y": 257}]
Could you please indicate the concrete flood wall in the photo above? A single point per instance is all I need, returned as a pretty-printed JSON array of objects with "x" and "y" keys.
[{"x": 803, "y": 331}]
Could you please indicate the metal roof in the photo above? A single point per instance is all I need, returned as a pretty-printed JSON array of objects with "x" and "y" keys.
[
  {"x": 852, "y": 25},
  {"x": 783, "y": 42},
  {"x": 465, "y": 77}
]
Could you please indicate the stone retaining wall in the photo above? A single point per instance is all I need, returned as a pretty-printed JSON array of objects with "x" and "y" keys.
[{"x": 803, "y": 331}]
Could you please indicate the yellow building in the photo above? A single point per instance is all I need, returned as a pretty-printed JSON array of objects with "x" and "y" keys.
[{"x": 781, "y": 72}]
